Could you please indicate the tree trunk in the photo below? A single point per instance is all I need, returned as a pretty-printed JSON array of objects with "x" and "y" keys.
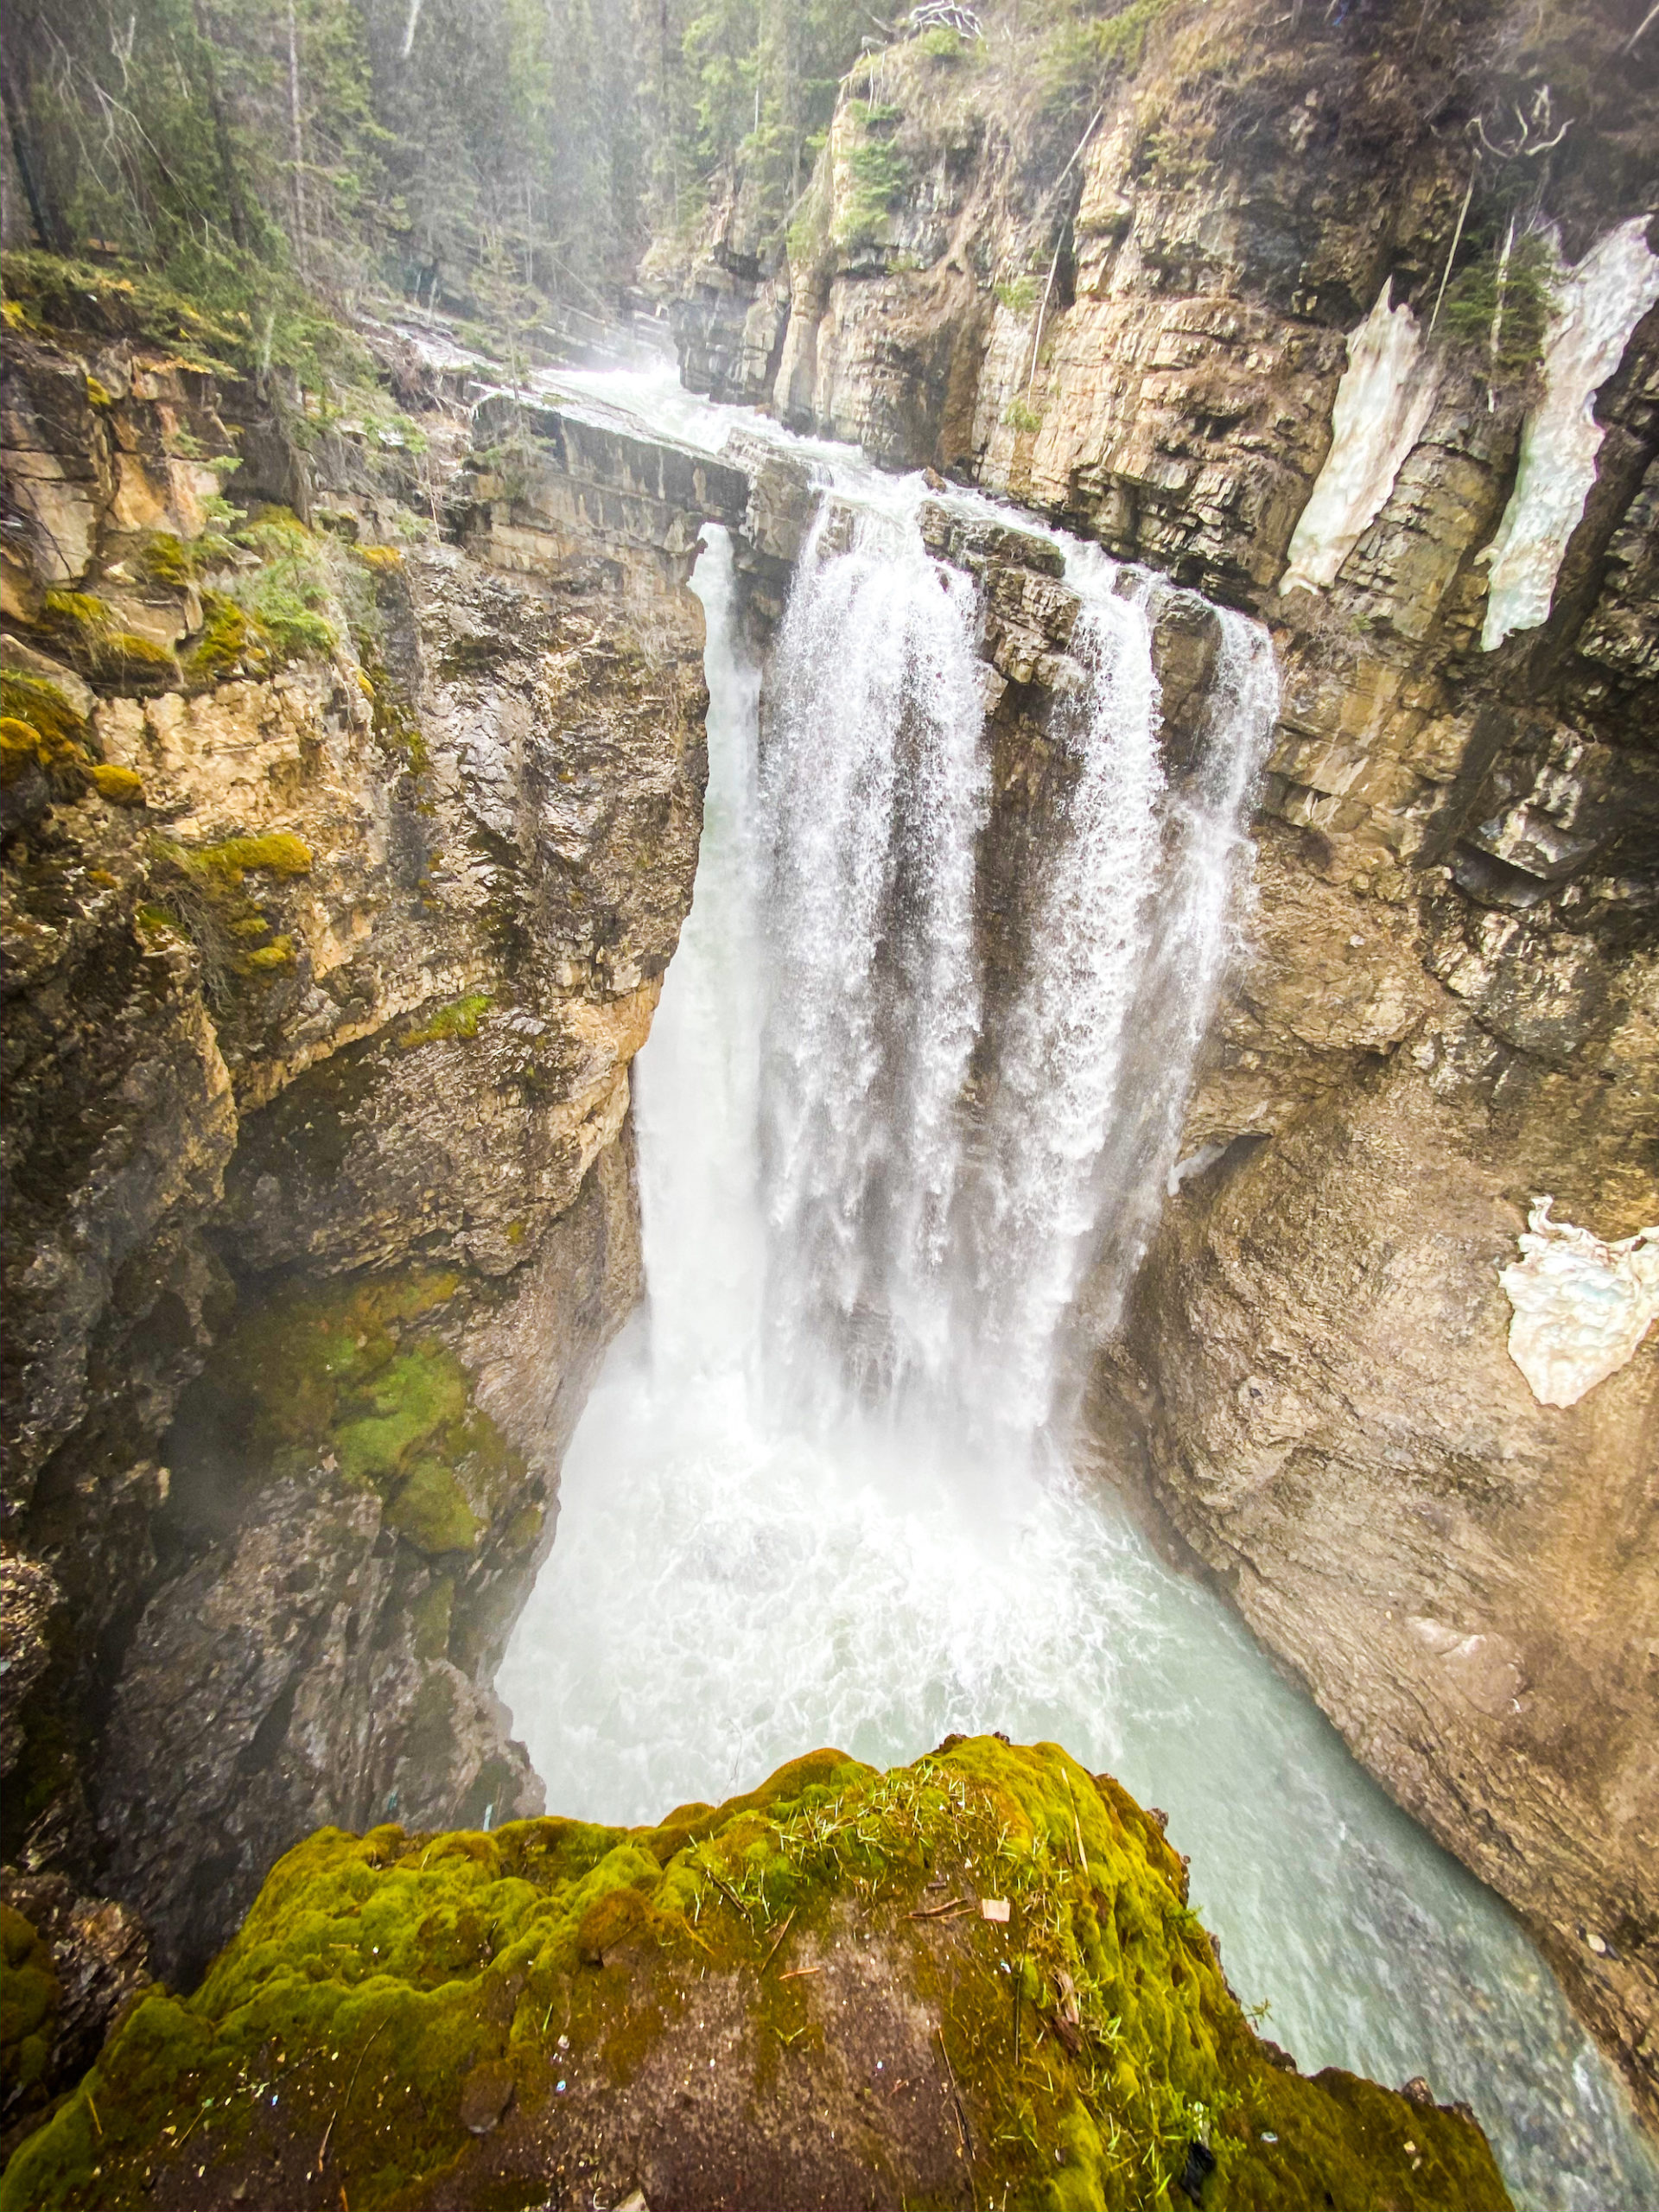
[
  {"x": 41, "y": 213},
  {"x": 298, "y": 145},
  {"x": 236, "y": 211}
]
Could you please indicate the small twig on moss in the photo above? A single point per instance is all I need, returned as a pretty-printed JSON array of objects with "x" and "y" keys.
[
  {"x": 729, "y": 1893},
  {"x": 943, "y": 1912},
  {"x": 322, "y": 2152},
  {"x": 777, "y": 1945},
  {"x": 956, "y": 2095}
]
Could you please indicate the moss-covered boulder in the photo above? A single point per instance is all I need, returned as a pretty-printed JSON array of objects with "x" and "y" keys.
[{"x": 973, "y": 1980}]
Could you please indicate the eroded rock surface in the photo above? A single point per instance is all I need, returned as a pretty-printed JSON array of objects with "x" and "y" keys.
[
  {"x": 342, "y": 866},
  {"x": 975, "y": 1976}
]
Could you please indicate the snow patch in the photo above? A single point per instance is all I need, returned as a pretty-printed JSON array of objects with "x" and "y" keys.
[
  {"x": 1602, "y": 298},
  {"x": 1582, "y": 1307},
  {"x": 1382, "y": 403}
]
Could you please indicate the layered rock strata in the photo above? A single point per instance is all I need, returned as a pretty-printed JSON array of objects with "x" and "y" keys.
[
  {"x": 342, "y": 865},
  {"x": 1133, "y": 302}
]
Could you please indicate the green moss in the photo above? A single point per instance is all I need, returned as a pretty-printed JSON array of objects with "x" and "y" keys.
[
  {"x": 232, "y": 643},
  {"x": 29, "y": 2002},
  {"x": 165, "y": 558},
  {"x": 275, "y": 852},
  {"x": 354, "y": 1376},
  {"x": 432, "y": 1511},
  {"x": 40, "y": 728},
  {"x": 456, "y": 1022},
  {"x": 39, "y": 702},
  {"x": 555, "y": 1945},
  {"x": 202, "y": 889},
  {"x": 86, "y": 630},
  {"x": 121, "y": 786}
]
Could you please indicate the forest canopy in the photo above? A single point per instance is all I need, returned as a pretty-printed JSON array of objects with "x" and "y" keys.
[{"x": 475, "y": 152}]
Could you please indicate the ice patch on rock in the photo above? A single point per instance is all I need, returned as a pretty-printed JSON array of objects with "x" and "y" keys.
[
  {"x": 1601, "y": 300},
  {"x": 1582, "y": 1307},
  {"x": 1382, "y": 402}
]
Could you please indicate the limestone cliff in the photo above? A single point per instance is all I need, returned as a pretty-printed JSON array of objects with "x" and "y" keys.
[
  {"x": 969, "y": 1980},
  {"x": 341, "y": 868},
  {"x": 1133, "y": 300}
]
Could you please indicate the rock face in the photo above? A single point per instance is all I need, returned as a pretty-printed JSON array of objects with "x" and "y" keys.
[
  {"x": 975, "y": 1974},
  {"x": 71, "y": 1964},
  {"x": 1447, "y": 1006},
  {"x": 342, "y": 865}
]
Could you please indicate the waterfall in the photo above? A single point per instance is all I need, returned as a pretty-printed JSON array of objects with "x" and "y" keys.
[
  {"x": 837, "y": 1123},
  {"x": 1059, "y": 1073},
  {"x": 930, "y": 1245},
  {"x": 875, "y": 786}
]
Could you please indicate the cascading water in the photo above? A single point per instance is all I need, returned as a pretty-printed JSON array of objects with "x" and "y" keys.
[
  {"x": 875, "y": 787},
  {"x": 752, "y": 1559}
]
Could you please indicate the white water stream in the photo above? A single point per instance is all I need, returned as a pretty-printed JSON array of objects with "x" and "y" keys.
[{"x": 817, "y": 1496}]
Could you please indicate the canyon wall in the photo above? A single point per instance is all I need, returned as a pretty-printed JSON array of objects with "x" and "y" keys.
[
  {"x": 1134, "y": 310},
  {"x": 344, "y": 855}
]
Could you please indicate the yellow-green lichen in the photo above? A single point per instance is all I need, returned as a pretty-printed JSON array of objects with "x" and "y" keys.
[
  {"x": 557, "y": 1949},
  {"x": 120, "y": 786},
  {"x": 455, "y": 1023}
]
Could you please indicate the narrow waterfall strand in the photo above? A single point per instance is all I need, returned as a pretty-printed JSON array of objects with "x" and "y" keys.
[
  {"x": 875, "y": 787},
  {"x": 1202, "y": 894},
  {"x": 1058, "y": 1080}
]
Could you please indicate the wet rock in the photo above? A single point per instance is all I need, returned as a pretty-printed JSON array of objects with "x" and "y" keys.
[
  {"x": 354, "y": 989},
  {"x": 71, "y": 1965}
]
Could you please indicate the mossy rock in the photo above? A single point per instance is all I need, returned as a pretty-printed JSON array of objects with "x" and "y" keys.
[
  {"x": 120, "y": 786},
  {"x": 43, "y": 736},
  {"x": 351, "y": 1376},
  {"x": 455, "y": 1023},
  {"x": 808, "y": 1996},
  {"x": 31, "y": 2000},
  {"x": 88, "y": 633}
]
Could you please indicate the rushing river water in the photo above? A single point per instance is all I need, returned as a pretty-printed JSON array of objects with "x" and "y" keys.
[{"x": 817, "y": 1495}]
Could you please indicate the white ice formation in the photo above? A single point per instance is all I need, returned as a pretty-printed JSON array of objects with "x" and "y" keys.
[
  {"x": 1582, "y": 1307},
  {"x": 1601, "y": 300},
  {"x": 1382, "y": 403}
]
